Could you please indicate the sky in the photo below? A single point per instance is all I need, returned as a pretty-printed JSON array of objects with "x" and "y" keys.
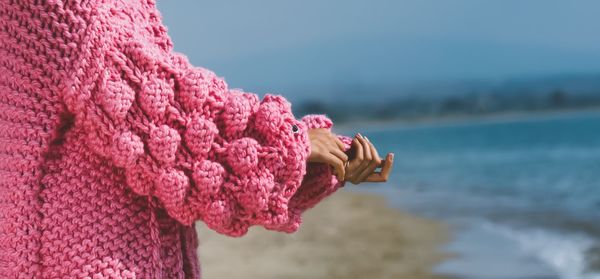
[{"x": 285, "y": 46}]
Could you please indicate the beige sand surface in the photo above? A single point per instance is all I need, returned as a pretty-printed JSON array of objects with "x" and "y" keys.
[{"x": 349, "y": 235}]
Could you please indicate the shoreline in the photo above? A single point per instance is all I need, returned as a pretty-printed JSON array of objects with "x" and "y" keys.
[
  {"x": 348, "y": 235},
  {"x": 400, "y": 123}
]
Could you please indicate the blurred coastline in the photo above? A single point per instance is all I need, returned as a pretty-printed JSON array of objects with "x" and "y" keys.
[
  {"x": 455, "y": 100},
  {"x": 350, "y": 127},
  {"x": 519, "y": 191}
]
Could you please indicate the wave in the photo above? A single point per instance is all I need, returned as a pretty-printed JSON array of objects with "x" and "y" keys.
[{"x": 566, "y": 254}]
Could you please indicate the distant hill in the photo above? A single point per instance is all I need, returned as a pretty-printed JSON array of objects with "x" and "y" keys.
[{"x": 466, "y": 98}]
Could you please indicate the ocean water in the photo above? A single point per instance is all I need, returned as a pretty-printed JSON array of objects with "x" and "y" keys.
[{"x": 522, "y": 194}]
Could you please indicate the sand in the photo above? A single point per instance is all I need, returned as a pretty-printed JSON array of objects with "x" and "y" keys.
[{"x": 349, "y": 235}]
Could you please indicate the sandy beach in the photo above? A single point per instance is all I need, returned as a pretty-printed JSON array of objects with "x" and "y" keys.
[{"x": 349, "y": 235}]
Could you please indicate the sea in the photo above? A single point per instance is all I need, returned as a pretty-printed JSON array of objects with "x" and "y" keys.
[{"x": 521, "y": 194}]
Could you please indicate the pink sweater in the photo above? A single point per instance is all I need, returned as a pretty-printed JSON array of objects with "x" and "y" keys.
[{"x": 112, "y": 145}]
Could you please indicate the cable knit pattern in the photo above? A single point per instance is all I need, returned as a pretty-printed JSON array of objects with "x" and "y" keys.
[{"x": 113, "y": 145}]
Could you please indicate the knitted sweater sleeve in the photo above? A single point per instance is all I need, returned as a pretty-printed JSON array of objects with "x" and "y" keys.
[{"x": 180, "y": 135}]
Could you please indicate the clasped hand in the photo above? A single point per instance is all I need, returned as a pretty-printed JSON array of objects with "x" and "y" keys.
[{"x": 357, "y": 165}]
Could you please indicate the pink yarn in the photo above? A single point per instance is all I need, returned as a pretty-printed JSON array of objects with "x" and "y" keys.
[{"x": 112, "y": 145}]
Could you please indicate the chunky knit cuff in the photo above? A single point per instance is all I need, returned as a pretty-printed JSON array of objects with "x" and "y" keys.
[
  {"x": 205, "y": 151},
  {"x": 318, "y": 183}
]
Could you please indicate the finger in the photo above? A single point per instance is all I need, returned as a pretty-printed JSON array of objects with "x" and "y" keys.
[
  {"x": 386, "y": 169},
  {"x": 339, "y": 153},
  {"x": 358, "y": 153},
  {"x": 355, "y": 162},
  {"x": 337, "y": 164},
  {"x": 363, "y": 157},
  {"x": 366, "y": 157},
  {"x": 374, "y": 153},
  {"x": 339, "y": 143},
  {"x": 372, "y": 164}
]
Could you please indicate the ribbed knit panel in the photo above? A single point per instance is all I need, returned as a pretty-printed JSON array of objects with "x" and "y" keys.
[{"x": 29, "y": 107}]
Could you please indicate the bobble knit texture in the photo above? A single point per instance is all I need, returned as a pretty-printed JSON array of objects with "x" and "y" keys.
[{"x": 112, "y": 145}]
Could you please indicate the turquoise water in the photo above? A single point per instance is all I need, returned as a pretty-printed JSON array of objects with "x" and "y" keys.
[{"x": 532, "y": 181}]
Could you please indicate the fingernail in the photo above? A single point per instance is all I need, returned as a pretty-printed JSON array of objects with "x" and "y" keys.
[
  {"x": 359, "y": 135},
  {"x": 391, "y": 156},
  {"x": 367, "y": 139}
]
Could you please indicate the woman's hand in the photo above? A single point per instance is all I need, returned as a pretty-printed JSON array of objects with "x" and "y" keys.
[
  {"x": 366, "y": 160},
  {"x": 327, "y": 148}
]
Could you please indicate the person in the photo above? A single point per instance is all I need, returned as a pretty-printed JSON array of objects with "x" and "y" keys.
[{"x": 113, "y": 145}]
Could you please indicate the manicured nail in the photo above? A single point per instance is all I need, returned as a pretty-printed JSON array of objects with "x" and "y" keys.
[
  {"x": 391, "y": 156},
  {"x": 367, "y": 139},
  {"x": 359, "y": 135}
]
